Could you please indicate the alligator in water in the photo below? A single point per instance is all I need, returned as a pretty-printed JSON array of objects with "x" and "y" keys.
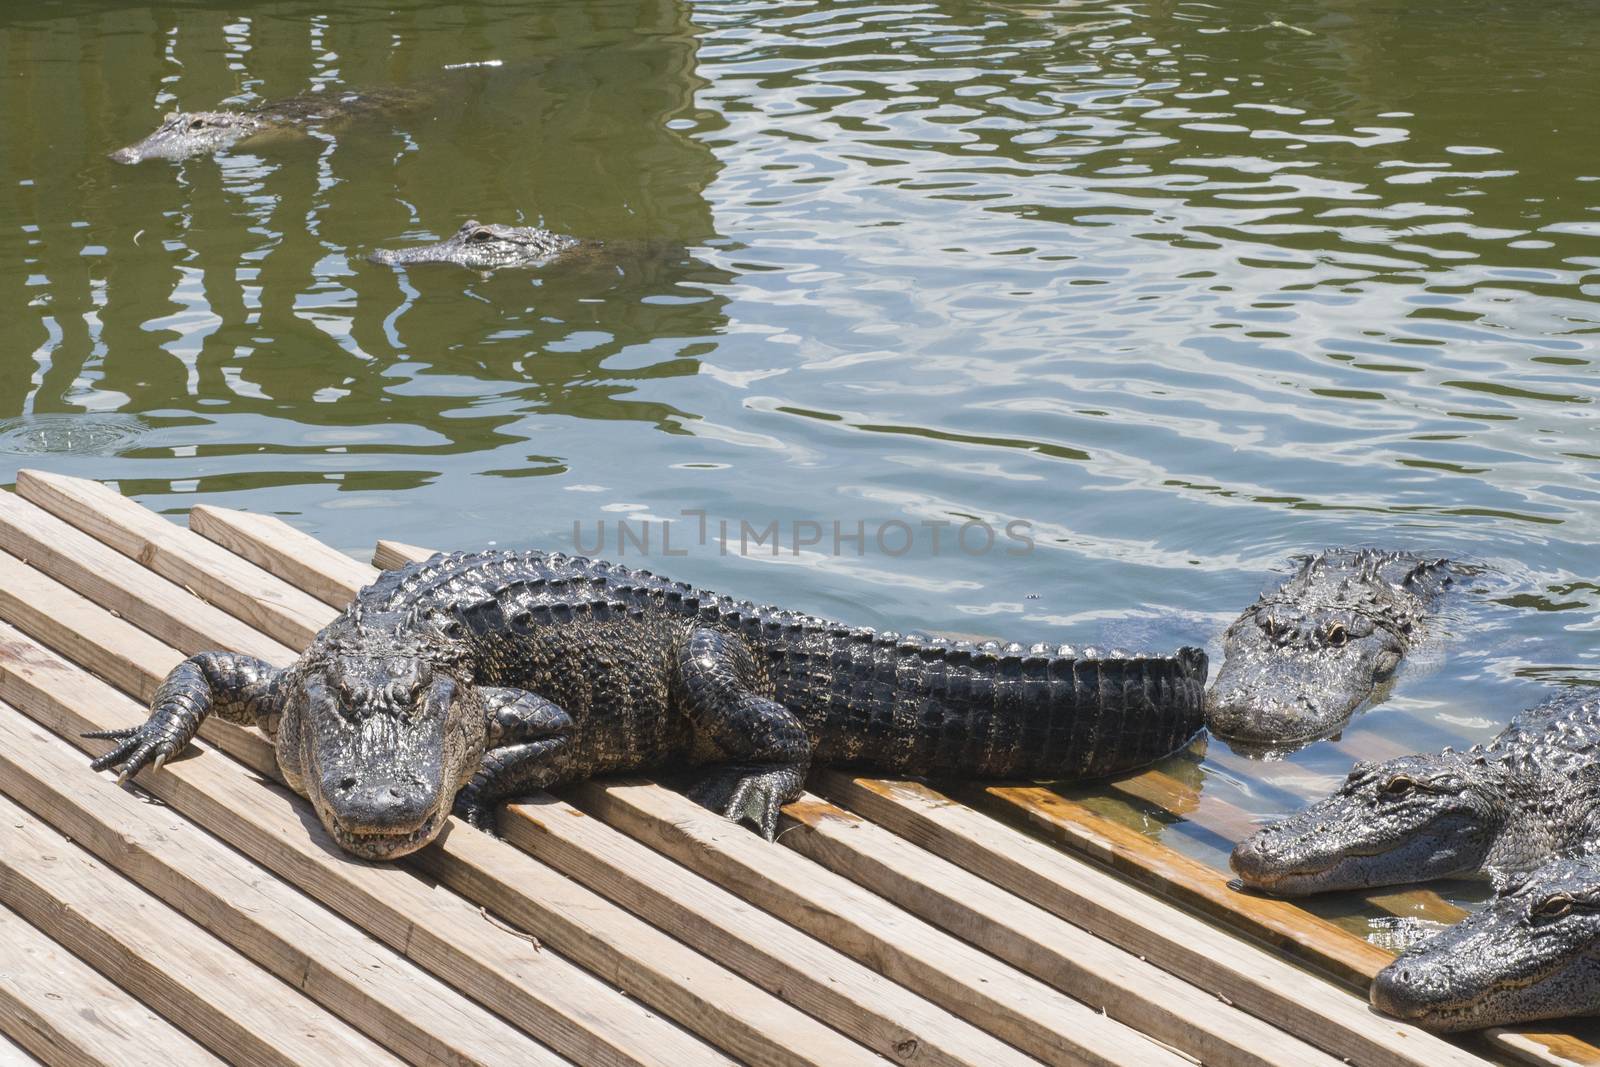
[
  {"x": 1533, "y": 952},
  {"x": 192, "y": 133},
  {"x": 487, "y": 246},
  {"x": 470, "y": 678},
  {"x": 1495, "y": 809},
  {"x": 1301, "y": 659}
]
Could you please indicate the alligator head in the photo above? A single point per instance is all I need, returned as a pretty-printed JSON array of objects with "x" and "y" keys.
[
  {"x": 1532, "y": 953},
  {"x": 1408, "y": 819},
  {"x": 191, "y": 133},
  {"x": 1300, "y": 660},
  {"x": 383, "y": 744},
  {"x": 484, "y": 246}
]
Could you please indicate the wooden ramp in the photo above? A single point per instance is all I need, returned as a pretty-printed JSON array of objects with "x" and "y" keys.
[{"x": 204, "y": 916}]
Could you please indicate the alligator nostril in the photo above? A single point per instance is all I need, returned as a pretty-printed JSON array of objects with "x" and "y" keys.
[{"x": 347, "y": 783}]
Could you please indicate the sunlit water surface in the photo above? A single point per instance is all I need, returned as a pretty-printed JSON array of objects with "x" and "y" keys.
[{"x": 1175, "y": 289}]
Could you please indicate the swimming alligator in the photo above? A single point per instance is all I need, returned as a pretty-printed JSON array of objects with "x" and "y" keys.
[
  {"x": 469, "y": 678},
  {"x": 1301, "y": 659},
  {"x": 1495, "y": 809},
  {"x": 1533, "y": 952},
  {"x": 486, "y": 246},
  {"x": 192, "y": 133}
]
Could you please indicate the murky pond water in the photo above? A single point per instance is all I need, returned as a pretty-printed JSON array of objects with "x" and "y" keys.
[{"x": 1155, "y": 294}]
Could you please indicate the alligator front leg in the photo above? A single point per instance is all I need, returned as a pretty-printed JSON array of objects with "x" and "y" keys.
[
  {"x": 241, "y": 689},
  {"x": 767, "y": 746},
  {"x": 528, "y": 742}
]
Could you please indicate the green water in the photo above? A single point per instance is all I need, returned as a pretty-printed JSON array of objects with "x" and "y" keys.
[{"x": 1180, "y": 289}]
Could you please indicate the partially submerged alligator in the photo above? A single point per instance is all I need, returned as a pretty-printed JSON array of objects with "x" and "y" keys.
[
  {"x": 192, "y": 133},
  {"x": 1301, "y": 659},
  {"x": 486, "y": 246},
  {"x": 1532, "y": 953},
  {"x": 469, "y": 678},
  {"x": 1495, "y": 809}
]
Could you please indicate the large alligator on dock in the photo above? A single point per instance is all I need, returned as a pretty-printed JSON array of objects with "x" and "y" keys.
[
  {"x": 469, "y": 678},
  {"x": 487, "y": 246},
  {"x": 192, "y": 133},
  {"x": 1497, "y": 809},
  {"x": 1301, "y": 659},
  {"x": 1532, "y": 953}
]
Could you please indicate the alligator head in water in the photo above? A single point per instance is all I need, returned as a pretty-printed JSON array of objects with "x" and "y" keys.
[
  {"x": 380, "y": 745},
  {"x": 1496, "y": 809},
  {"x": 1300, "y": 660},
  {"x": 1532, "y": 953},
  {"x": 485, "y": 246},
  {"x": 191, "y": 133}
]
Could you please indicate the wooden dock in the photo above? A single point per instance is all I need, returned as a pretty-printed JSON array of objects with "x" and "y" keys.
[{"x": 204, "y": 916}]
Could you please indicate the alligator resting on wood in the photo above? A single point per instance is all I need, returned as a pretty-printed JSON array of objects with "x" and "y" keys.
[
  {"x": 470, "y": 678},
  {"x": 1495, "y": 809},
  {"x": 192, "y": 133},
  {"x": 1300, "y": 660},
  {"x": 1533, "y": 952},
  {"x": 487, "y": 246}
]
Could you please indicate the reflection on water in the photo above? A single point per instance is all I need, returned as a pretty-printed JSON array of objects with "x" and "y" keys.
[{"x": 1183, "y": 288}]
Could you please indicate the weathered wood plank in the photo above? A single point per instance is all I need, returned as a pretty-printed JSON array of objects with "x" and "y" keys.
[
  {"x": 1023, "y": 1011},
  {"x": 819, "y": 979},
  {"x": 62, "y": 1011},
  {"x": 605, "y": 938},
  {"x": 11, "y": 1053},
  {"x": 1258, "y": 981},
  {"x": 233, "y": 1008},
  {"x": 504, "y": 969},
  {"x": 386, "y": 996},
  {"x": 275, "y": 546},
  {"x": 102, "y": 574},
  {"x": 1030, "y": 938},
  {"x": 208, "y": 570},
  {"x": 392, "y": 554}
]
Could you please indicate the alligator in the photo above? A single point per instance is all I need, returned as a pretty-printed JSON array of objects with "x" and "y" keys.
[
  {"x": 486, "y": 246},
  {"x": 1300, "y": 660},
  {"x": 468, "y": 678},
  {"x": 1533, "y": 952},
  {"x": 1497, "y": 809},
  {"x": 192, "y": 133}
]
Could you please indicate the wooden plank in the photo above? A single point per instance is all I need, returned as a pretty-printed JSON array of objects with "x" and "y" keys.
[
  {"x": 659, "y": 970},
  {"x": 11, "y": 1053},
  {"x": 210, "y": 571},
  {"x": 502, "y": 968},
  {"x": 817, "y": 978},
  {"x": 1030, "y": 938},
  {"x": 232, "y": 1007},
  {"x": 390, "y": 555},
  {"x": 1021, "y": 1010},
  {"x": 1260, "y": 982},
  {"x": 61, "y": 1010},
  {"x": 100, "y": 573},
  {"x": 392, "y": 1000},
  {"x": 291, "y": 554}
]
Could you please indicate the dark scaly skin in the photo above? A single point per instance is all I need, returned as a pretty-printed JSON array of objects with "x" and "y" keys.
[
  {"x": 1532, "y": 953},
  {"x": 470, "y": 678},
  {"x": 1495, "y": 809},
  {"x": 485, "y": 246},
  {"x": 193, "y": 133},
  {"x": 1300, "y": 660}
]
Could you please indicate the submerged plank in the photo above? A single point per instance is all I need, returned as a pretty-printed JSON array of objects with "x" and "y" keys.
[
  {"x": 1042, "y": 944},
  {"x": 62, "y": 1011},
  {"x": 1020, "y": 1009},
  {"x": 503, "y": 969},
  {"x": 389, "y": 998},
  {"x": 227, "y": 1004}
]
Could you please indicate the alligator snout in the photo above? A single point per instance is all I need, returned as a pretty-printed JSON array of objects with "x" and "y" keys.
[
  {"x": 380, "y": 807},
  {"x": 124, "y": 155}
]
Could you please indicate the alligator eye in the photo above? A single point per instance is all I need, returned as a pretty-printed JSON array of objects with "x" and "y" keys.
[
  {"x": 1337, "y": 635},
  {"x": 481, "y": 235},
  {"x": 1553, "y": 907},
  {"x": 1398, "y": 786},
  {"x": 197, "y": 124}
]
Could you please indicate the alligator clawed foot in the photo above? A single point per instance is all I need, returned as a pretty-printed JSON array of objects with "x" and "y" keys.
[
  {"x": 137, "y": 747},
  {"x": 750, "y": 794},
  {"x": 476, "y": 813}
]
